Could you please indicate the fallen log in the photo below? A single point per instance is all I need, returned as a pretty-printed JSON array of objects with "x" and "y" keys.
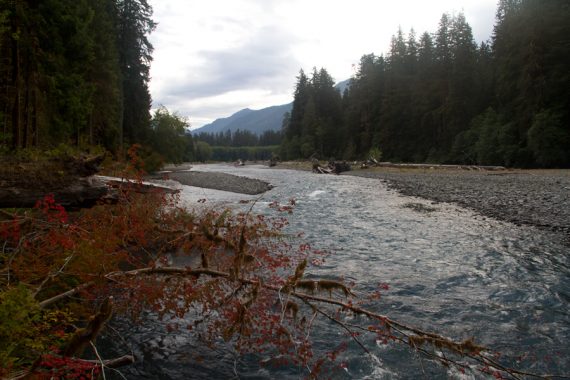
[
  {"x": 139, "y": 187},
  {"x": 82, "y": 193},
  {"x": 25, "y": 181},
  {"x": 121, "y": 361},
  {"x": 335, "y": 167},
  {"x": 49, "y": 174},
  {"x": 322, "y": 170},
  {"x": 70, "y": 179},
  {"x": 436, "y": 166}
]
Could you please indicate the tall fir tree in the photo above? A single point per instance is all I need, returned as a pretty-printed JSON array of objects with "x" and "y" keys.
[
  {"x": 135, "y": 55},
  {"x": 65, "y": 66}
]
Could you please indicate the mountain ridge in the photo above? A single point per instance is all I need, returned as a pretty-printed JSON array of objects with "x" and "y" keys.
[{"x": 256, "y": 121}]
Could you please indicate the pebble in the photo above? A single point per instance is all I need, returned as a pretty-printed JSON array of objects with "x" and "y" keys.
[
  {"x": 221, "y": 181},
  {"x": 540, "y": 199}
]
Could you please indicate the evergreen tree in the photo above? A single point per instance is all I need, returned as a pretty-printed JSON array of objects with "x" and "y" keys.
[
  {"x": 411, "y": 60},
  {"x": 393, "y": 128},
  {"x": 64, "y": 68},
  {"x": 329, "y": 114},
  {"x": 135, "y": 56},
  {"x": 531, "y": 55},
  {"x": 316, "y": 118},
  {"x": 361, "y": 105},
  {"x": 70, "y": 51},
  {"x": 18, "y": 68},
  {"x": 293, "y": 127},
  {"x": 424, "y": 99},
  {"x": 462, "y": 85},
  {"x": 443, "y": 98},
  {"x": 300, "y": 99},
  {"x": 442, "y": 71},
  {"x": 104, "y": 74}
]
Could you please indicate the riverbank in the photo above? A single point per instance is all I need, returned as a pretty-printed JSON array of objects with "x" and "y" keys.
[
  {"x": 217, "y": 181},
  {"x": 539, "y": 198}
]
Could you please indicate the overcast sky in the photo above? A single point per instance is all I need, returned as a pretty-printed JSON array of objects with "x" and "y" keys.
[{"x": 215, "y": 57}]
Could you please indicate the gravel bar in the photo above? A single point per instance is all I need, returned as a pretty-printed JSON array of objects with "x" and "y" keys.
[
  {"x": 538, "y": 198},
  {"x": 221, "y": 181}
]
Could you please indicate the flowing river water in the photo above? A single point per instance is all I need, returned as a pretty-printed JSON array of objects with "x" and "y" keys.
[{"x": 449, "y": 271}]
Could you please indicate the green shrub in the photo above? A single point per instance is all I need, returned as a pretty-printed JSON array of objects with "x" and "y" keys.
[
  {"x": 548, "y": 140},
  {"x": 26, "y": 331},
  {"x": 375, "y": 154}
]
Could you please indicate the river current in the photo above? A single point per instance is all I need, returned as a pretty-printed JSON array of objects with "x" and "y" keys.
[{"x": 449, "y": 271}]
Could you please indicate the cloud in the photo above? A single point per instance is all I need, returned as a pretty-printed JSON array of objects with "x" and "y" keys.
[
  {"x": 213, "y": 58},
  {"x": 207, "y": 84},
  {"x": 264, "y": 62},
  {"x": 203, "y": 110}
]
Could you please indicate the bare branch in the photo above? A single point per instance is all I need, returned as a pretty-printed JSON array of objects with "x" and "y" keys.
[
  {"x": 343, "y": 325},
  {"x": 69, "y": 293},
  {"x": 409, "y": 335}
]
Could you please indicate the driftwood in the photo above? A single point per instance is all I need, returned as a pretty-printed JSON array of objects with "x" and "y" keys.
[
  {"x": 116, "y": 362},
  {"x": 70, "y": 179},
  {"x": 49, "y": 174},
  {"x": 138, "y": 187},
  {"x": 24, "y": 182},
  {"x": 333, "y": 167},
  {"x": 83, "y": 192},
  {"x": 431, "y": 166},
  {"x": 84, "y": 166}
]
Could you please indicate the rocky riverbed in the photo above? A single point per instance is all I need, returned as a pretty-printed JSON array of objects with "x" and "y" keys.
[
  {"x": 221, "y": 181},
  {"x": 537, "y": 198}
]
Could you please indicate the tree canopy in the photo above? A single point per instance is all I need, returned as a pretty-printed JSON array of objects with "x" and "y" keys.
[
  {"x": 444, "y": 99},
  {"x": 171, "y": 137},
  {"x": 74, "y": 72},
  {"x": 312, "y": 126}
]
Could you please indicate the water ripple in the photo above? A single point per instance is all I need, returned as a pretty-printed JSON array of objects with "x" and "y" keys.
[{"x": 449, "y": 270}]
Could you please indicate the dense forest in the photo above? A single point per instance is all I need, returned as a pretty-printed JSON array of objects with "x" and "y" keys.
[
  {"x": 76, "y": 72},
  {"x": 442, "y": 98},
  {"x": 240, "y": 138},
  {"x": 239, "y": 145}
]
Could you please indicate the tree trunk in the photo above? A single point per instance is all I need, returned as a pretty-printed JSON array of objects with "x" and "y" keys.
[
  {"x": 16, "y": 85},
  {"x": 22, "y": 184},
  {"x": 85, "y": 192}
]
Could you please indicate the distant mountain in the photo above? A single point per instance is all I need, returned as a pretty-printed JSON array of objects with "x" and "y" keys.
[
  {"x": 341, "y": 86},
  {"x": 256, "y": 121}
]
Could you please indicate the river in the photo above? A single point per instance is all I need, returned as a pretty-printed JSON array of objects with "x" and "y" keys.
[{"x": 449, "y": 271}]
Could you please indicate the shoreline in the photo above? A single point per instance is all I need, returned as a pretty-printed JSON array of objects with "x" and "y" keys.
[
  {"x": 538, "y": 198},
  {"x": 220, "y": 181}
]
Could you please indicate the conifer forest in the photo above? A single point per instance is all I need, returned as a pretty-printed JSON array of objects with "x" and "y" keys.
[{"x": 441, "y": 98}]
